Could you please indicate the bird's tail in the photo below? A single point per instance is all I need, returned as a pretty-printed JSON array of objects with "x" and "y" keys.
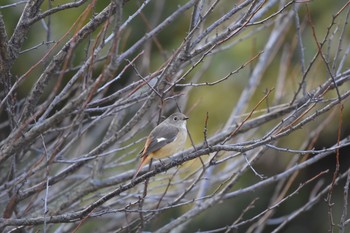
[{"x": 144, "y": 161}]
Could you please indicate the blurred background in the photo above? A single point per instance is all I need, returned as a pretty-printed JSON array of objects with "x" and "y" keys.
[{"x": 241, "y": 70}]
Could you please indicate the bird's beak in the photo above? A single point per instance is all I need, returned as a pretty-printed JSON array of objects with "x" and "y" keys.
[{"x": 186, "y": 118}]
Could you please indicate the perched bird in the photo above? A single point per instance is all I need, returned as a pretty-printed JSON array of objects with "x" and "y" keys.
[{"x": 164, "y": 140}]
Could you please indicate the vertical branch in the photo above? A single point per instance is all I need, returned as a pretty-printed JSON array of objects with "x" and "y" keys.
[
  {"x": 336, "y": 172},
  {"x": 300, "y": 46},
  {"x": 345, "y": 205}
]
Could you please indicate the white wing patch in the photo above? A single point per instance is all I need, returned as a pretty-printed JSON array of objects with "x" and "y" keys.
[{"x": 161, "y": 139}]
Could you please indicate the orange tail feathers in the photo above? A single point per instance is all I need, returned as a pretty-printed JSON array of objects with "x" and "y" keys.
[{"x": 144, "y": 161}]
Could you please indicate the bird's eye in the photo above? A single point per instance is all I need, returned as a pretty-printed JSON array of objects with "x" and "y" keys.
[{"x": 175, "y": 118}]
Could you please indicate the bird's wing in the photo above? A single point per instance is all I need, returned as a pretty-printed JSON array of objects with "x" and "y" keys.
[{"x": 158, "y": 138}]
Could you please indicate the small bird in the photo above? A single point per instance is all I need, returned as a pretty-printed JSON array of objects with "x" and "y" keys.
[{"x": 164, "y": 140}]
